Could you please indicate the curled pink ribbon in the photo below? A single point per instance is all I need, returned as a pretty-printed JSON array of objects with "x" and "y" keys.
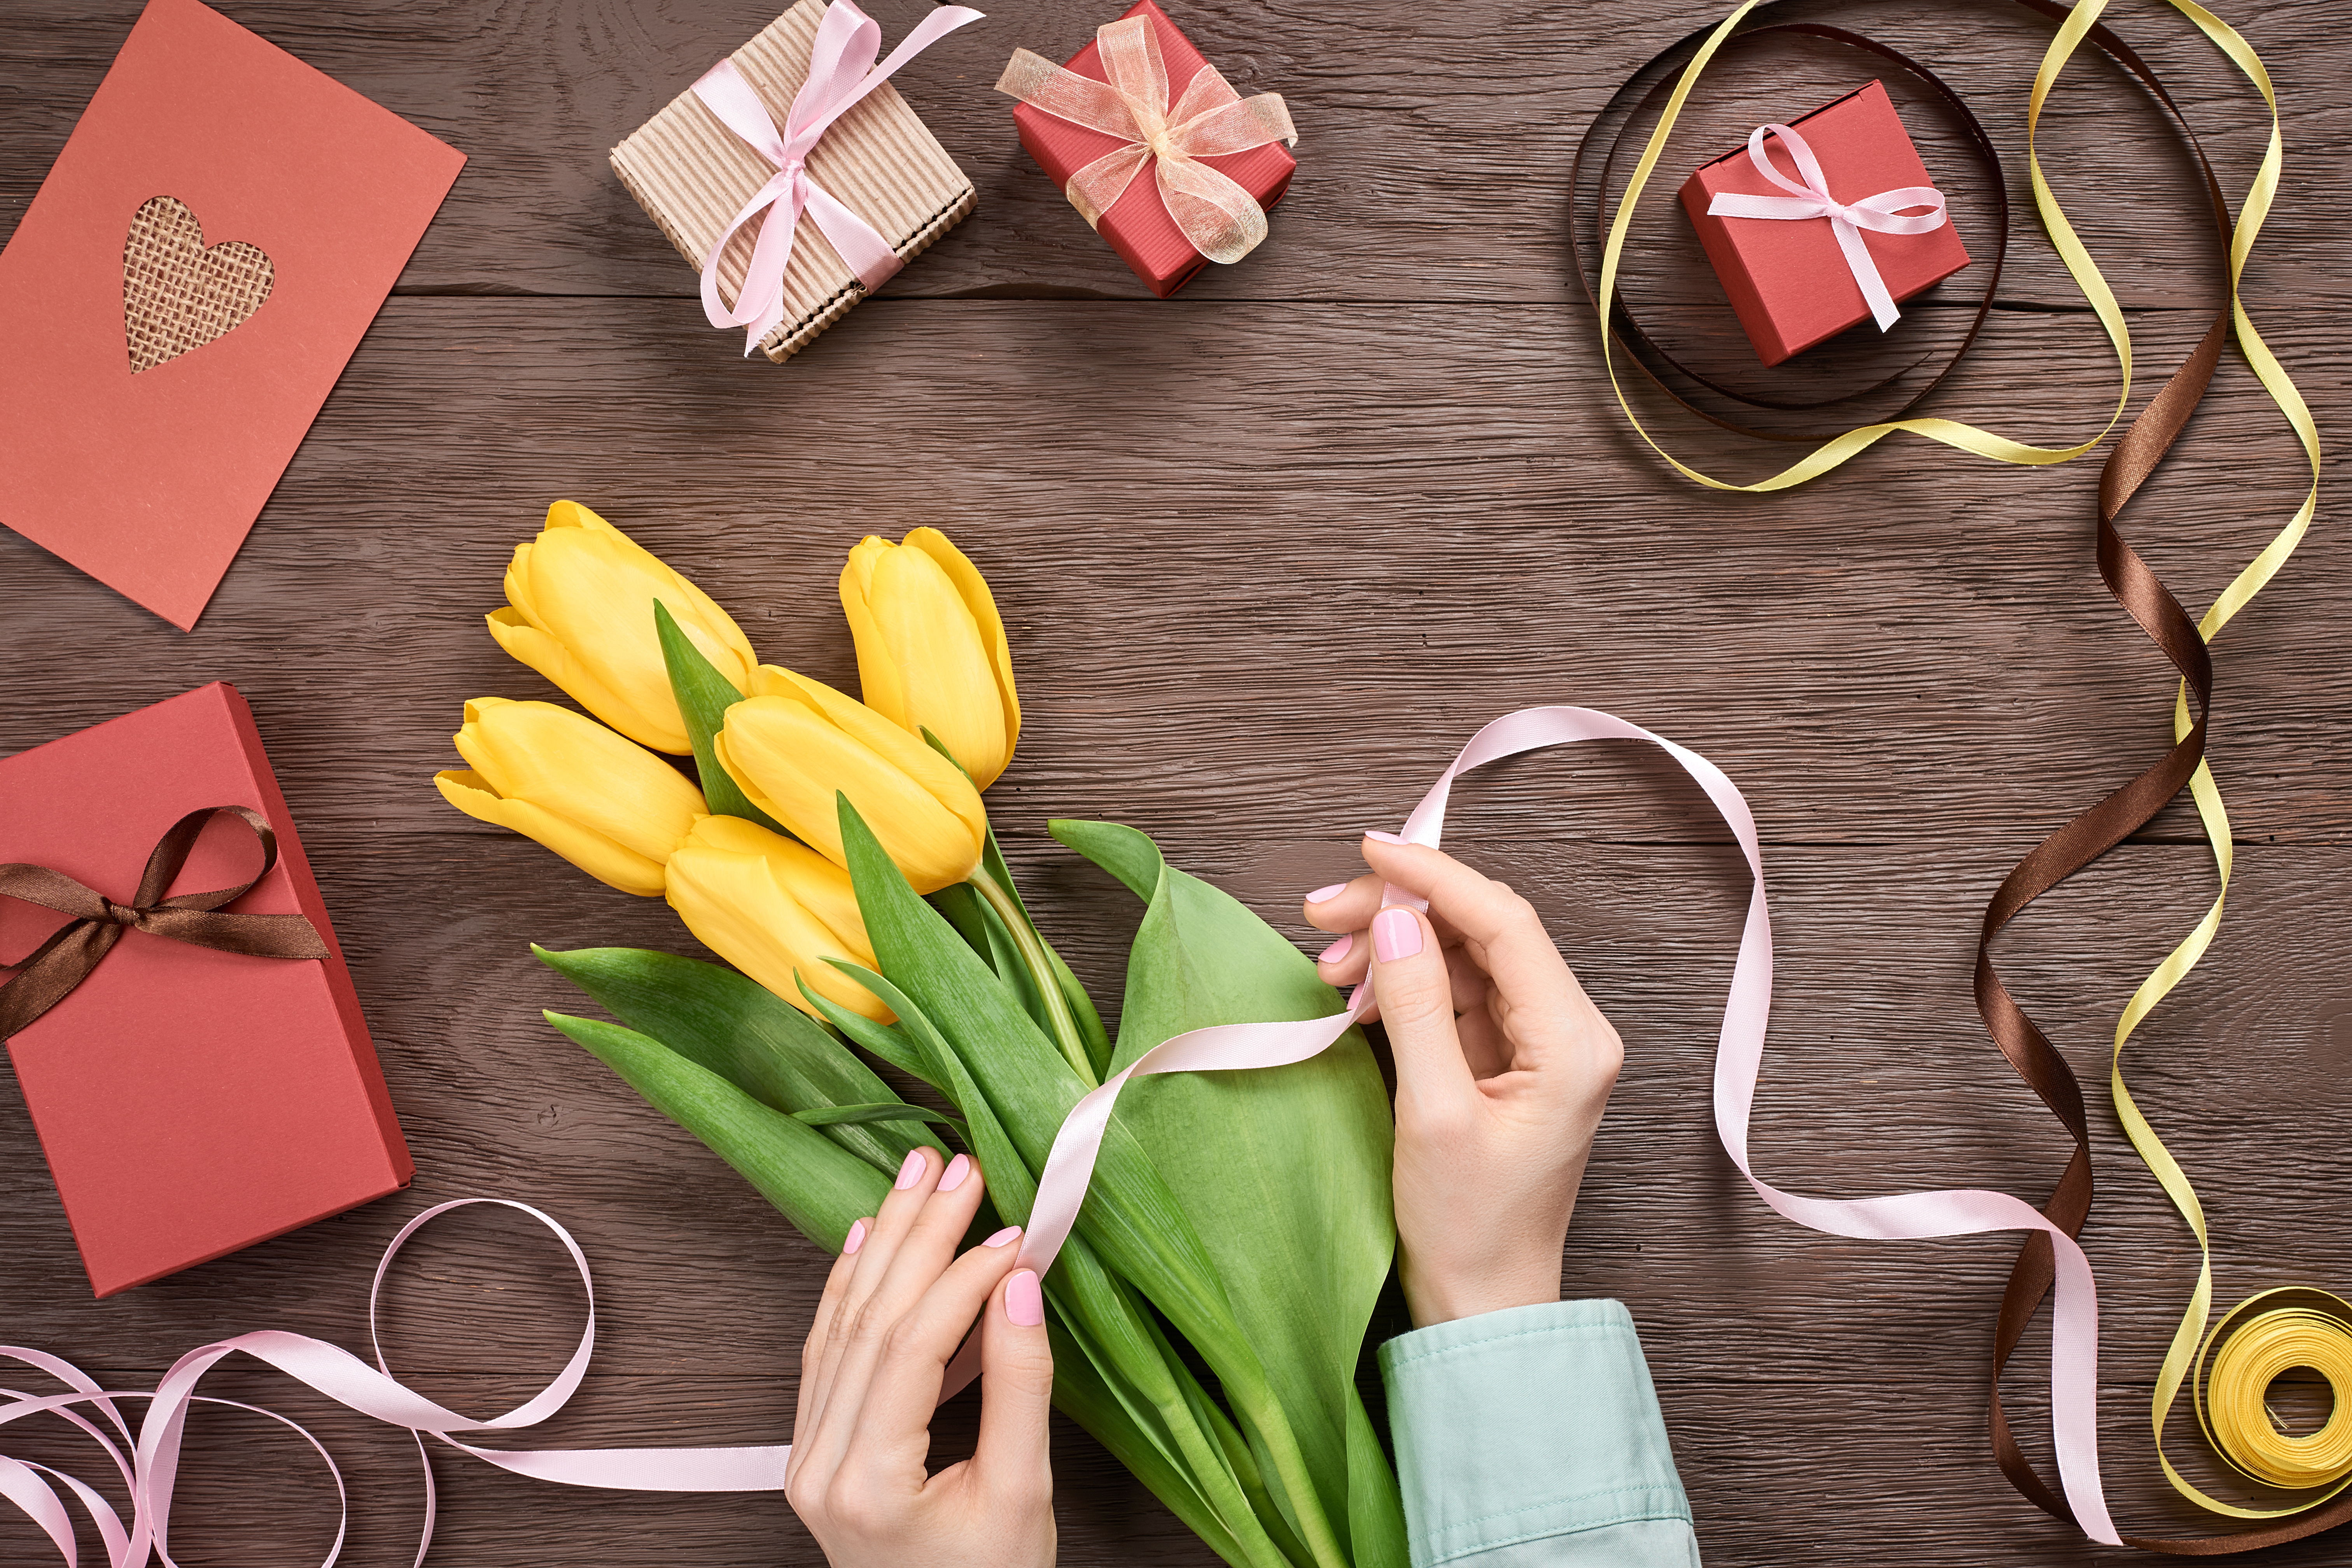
[
  {"x": 1221, "y": 220},
  {"x": 1061, "y": 1193},
  {"x": 1847, "y": 219},
  {"x": 149, "y": 1464},
  {"x": 2075, "y": 1347},
  {"x": 841, "y": 72}
]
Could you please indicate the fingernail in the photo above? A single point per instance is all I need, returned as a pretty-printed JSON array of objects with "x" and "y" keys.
[
  {"x": 1388, "y": 838},
  {"x": 958, "y": 1169},
  {"x": 855, "y": 1239},
  {"x": 1337, "y": 951},
  {"x": 1396, "y": 933},
  {"x": 1023, "y": 1302},
  {"x": 911, "y": 1171},
  {"x": 1333, "y": 891},
  {"x": 1002, "y": 1236}
]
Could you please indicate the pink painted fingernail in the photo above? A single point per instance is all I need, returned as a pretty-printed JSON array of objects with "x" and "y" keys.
[
  {"x": 958, "y": 1169},
  {"x": 1337, "y": 951},
  {"x": 911, "y": 1171},
  {"x": 1023, "y": 1302},
  {"x": 855, "y": 1239},
  {"x": 1333, "y": 891},
  {"x": 1002, "y": 1236},
  {"x": 1388, "y": 839},
  {"x": 1396, "y": 933}
]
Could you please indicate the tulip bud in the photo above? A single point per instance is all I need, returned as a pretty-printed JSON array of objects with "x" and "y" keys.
[
  {"x": 774, "y": 909},
  {"x": 796, "y": 742},
  {"x": 604, "y": 803},
  {"x": 931, "y": 647},
  {"x": 579, "y": 610}
]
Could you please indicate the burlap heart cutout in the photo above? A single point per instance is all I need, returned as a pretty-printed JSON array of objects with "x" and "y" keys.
[{"x": 179, "y": 293}]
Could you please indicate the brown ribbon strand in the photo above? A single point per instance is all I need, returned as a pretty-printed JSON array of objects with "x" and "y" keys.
[
  {"x": 2095, "y": 831},
  {"x": 66, "y": 959}
]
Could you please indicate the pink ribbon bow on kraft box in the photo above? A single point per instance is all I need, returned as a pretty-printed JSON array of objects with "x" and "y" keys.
[
  {"x": 1140, "y": 96},
  {"x": 1823, "y": 261},
  {"x": 849, "y": 153}
]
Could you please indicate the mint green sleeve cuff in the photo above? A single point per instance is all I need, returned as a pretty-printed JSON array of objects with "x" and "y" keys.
[{"x": 1532, "y": 1437}]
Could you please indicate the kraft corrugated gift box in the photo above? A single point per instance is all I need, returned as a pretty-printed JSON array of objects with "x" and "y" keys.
[
  {"x": 1789, "y": 281},
  {"x": 190, "y": 1101},
  {"x": 692, "y": 175}
]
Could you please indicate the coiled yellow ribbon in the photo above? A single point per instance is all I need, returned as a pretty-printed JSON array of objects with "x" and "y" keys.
[
  {"x": 2231, "y": 1408},
  {"x": 2272, "y": 1331}
]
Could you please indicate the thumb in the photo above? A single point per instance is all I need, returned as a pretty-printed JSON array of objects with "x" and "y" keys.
[
  {"x": 1416, "y": 997},
  {"x": 1016, "y": 1389}
]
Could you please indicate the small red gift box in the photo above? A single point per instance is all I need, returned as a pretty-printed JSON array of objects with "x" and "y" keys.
[
  {"x": 1789, "y": 280},
  {"x": 192, "y": 1101},
  {"x": 1139, "y": 226}
]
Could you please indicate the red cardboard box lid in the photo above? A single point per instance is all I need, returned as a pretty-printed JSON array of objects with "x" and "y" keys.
[
  {"x": 191, "y": 1102},
  {"x": 1787, "y": 278},
  {"x": 1139, "y": 226}
]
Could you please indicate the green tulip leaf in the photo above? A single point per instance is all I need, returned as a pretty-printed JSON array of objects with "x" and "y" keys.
[
  {"x": 888, "y": 1111},
  {"x": 1132, "y": 1217},
  {"x": 815, "y": 1182},
  {"x": 703, "y": 698},
  {"x": 746, "y": 1033},
  {"x": 1282, "y": 1172}
]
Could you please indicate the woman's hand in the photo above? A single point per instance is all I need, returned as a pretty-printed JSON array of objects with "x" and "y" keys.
[
  {"x": 895, "y": 1308},
  {"x": 1504, "y": 1066}
]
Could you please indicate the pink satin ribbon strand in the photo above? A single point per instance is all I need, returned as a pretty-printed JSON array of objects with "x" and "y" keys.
[
  {"x": 841, "y": 73},
  {"x": 1880, "y": 214},
  {"x": 148, "y": 1471}
]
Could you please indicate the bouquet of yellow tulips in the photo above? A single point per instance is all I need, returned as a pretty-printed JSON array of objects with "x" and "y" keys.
[{"x": 837, "y": 854}]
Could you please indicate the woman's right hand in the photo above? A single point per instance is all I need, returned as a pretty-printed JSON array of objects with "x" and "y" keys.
[
  {"x": 1504, "y": 1066},
  {"x": 895, "y": 1308}
]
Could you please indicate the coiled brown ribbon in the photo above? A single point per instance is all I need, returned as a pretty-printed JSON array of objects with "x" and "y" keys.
[
  {"x": 2097, "y": 830},
  {"x": 65, "y": 960}
]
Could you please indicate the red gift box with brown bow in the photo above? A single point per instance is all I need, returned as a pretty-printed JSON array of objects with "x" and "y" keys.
[{"x": 196, "y": 1067}]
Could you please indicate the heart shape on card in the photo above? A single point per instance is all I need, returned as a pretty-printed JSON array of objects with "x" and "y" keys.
[{"x": 179, "y": 293}]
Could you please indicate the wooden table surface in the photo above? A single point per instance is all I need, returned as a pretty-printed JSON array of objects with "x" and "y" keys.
[{"x": 1268, "y": 551}]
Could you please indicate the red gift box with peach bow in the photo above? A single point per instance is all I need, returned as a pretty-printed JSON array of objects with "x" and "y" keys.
[{"x": 1175, "y": 122}]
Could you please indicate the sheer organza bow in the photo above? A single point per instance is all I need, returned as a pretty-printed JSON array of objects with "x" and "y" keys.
[{"x": 1222, "y": 220}]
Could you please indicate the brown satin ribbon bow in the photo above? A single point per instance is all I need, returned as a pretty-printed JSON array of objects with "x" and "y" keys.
[{"x": 72, "y": 950}]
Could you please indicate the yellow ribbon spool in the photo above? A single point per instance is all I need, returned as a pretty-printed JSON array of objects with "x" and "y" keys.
[{"x": 2249, "y": 1348}]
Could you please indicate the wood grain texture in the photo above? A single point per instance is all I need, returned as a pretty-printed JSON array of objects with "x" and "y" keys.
[{"x": 1268, "y": 551}]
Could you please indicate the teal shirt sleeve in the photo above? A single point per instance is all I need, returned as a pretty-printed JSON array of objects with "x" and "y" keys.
[{"x": 1531, "y": 1439}]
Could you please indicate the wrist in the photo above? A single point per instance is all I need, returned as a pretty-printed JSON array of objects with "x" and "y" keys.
[{"x": 1431, "y": 1301}]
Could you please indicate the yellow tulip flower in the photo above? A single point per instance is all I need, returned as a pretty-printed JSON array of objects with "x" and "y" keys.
[
  {"x": 602, "y": 802},
  {"x": 579, "y": 610},
  {"x": 795, "y": 742},
  {"x": 931, "y": 653},
  {"x": 774, "y": 909}
]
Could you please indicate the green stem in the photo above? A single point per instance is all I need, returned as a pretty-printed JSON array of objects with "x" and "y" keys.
[{"x": 1036, "y": 959}]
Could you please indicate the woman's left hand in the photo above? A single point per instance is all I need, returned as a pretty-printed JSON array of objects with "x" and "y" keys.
[{"x": 895, "y": 1308}]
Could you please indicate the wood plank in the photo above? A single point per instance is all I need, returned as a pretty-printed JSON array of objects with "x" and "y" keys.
[{"x": 1435, "y": 150}]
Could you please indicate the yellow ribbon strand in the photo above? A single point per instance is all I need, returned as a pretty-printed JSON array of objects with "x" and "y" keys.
[
  {"x": 1841, "y": 449},
  {"x": 2249, "y": 1337},
  {"x": 2273, "y": 1331}
]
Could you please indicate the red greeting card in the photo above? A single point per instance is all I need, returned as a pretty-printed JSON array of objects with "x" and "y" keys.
[{"x": 199, "y": 265}]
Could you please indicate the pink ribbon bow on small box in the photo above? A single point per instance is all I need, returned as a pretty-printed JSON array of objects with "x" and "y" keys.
[
  {"x": 841, "y": 72},
  {"x": 1813, "y": 199}
]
